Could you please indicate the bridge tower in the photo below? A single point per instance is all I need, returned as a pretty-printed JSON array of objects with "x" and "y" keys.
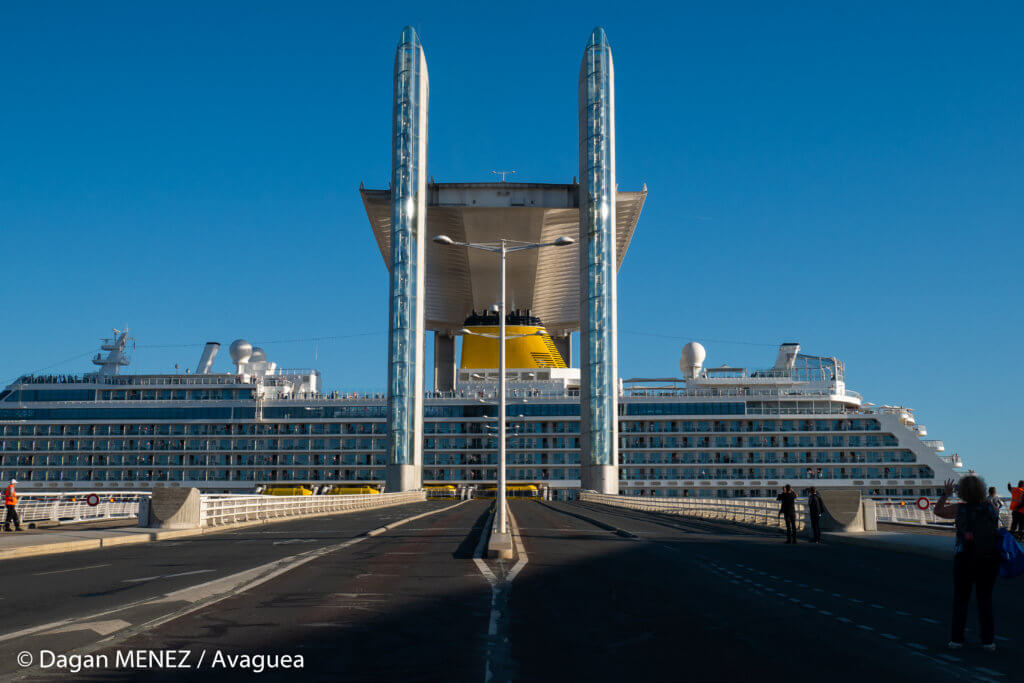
[
  {"x": 408, "y": 236},
  {"x": 599, "y": 393}
]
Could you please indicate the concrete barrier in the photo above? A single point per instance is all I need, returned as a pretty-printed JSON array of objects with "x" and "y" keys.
[
  {"x": 172, "y": 508},
  {"x": 844, "y": 512},
  {"x": 499, "y": 545}
]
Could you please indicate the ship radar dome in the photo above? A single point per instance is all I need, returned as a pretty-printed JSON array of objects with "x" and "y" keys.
[
  {"x": 258, "y": 355},
  {"x": 692, "y": 360},
  {"x": 240, "y": 351}
]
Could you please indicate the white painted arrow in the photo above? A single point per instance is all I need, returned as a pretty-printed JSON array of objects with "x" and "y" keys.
[{"x": 101, "y": 627}]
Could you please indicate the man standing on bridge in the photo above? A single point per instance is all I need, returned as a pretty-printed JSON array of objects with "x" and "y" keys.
[
  {"x": 788, "y": 510},
  {"x": 11, "y": 501},
  {"x": 1017, "y": 509},
  {"x": 815, "y": 507}
]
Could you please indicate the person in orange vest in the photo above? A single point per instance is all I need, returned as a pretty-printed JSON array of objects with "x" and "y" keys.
[
  {"x": 11, "y": 501},
  {"x": 1017, "y": 509}
]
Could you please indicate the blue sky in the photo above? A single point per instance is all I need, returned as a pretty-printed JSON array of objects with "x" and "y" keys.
[{"x": 846, "y": 176}]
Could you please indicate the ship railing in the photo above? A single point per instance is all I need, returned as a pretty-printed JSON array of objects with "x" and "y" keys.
[
  {"x": 746, "y": 392},
  {"x": 762, "y": 512},
  {"x": 80, "y": 506},
  {"x": 227, "y": 509}
]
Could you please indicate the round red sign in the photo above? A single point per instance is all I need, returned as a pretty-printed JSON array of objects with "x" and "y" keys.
[
  {"x": 92, "y": 500},
  {"x": 923, "y": 503}
]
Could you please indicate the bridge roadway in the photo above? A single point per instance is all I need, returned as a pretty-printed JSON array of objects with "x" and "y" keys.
[{"x": 599, "y": 593}]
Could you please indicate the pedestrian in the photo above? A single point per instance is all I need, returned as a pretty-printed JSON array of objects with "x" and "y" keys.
[
  {"x": 815, "y": 507},
  {"x": 994, "y": 500},
  {"x": 1016, "y": 511},
  {"x": 787, "y": 509},
  {"x": 976, "y": 562},
  {"x": 11, "y": 501}
]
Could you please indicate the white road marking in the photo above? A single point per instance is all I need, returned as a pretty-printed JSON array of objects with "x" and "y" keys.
[
  {"x": 917, "y": 646},
  {"x": 877, "y": 606},
  {"x": 930, "y": 621},
  {"x": 987, "y": 672},
  {"x": 836, "y": 595},
  {"x": 290, "y": 541},
  {"x": 866, "y": 628},
  {"x": 104, "y": 628},
  {"x": 520, "y": 550},
  {"x": 859, "y": 602},
  {"x": 34, "y": 629},
  {"x": 825, "y": 612},
  {"x": 76, "y": 569},
  {"x": 903, "y": 614},
  {"x": 949, "y": 658},
  {"x": 492, "y": 580},
  {"x": 818, "y": 590},
  {"x": 889, "y": 636},
  {"x": 1002, "y": 638},
  {"x": 844, "y": 620},
  {"x": 168, "y": 576}
]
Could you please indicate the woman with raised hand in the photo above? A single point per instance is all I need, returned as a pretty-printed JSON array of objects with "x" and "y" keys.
[{"x": 976, "y": 562}]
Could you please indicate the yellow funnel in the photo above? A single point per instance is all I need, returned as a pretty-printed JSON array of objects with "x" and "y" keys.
[{"x": 532, "y": 351}]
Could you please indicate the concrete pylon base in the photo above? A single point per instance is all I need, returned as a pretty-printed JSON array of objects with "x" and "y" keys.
[
  {"x": 600, "y": 478},
  {"x": 399, "y": 478}
]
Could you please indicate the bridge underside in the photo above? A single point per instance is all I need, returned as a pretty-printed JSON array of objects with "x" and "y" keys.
[{"x": 546, "y": 281}]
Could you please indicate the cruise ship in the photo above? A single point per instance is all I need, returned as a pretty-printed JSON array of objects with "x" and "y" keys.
[{"x": 713, "y": 432}]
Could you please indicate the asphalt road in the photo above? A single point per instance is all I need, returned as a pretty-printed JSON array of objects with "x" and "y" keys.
[
  {"x": 124, "y": 585},
  {"x": 596, "y": 594},
  {"x": 709, "y": 601}
]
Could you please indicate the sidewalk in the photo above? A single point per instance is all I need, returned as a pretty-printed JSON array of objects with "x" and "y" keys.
[{"x": 68, "y": 539}]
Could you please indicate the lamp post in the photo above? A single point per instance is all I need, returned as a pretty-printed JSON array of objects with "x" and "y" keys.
[{"x": 503, "y": 248}]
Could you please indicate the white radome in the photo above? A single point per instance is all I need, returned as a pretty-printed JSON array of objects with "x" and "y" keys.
[
  {"x": 240, "y": 351},
  {"x": 258, "y": 355},
  {"x": 692, "y": 359}
]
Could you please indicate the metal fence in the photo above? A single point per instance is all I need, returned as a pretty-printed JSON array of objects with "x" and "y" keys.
[
  {"x": 906, "y": 511},
  {"x": 221, "y": 510},
  {"x": 75, "y": 507},
  {"x": 757, "y": 511}
]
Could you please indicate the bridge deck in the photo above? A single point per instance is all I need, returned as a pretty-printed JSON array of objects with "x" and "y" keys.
[{"x": 661, "y": 598}]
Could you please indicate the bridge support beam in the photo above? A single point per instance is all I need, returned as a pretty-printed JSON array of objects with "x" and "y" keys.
[
  {"x": 599, "y": 392},
  {"x": 444, "y": 362},
  {"x": 563, "y": 344}
]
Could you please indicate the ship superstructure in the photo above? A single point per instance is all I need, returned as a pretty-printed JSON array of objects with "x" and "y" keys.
[{"x": 717, "y": 431}]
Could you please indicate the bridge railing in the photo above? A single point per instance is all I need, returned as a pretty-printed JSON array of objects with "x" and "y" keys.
[
  {"x": 75, "y": 507},
  {"x": 223, "y": 510},
  {"x": 906, "y": 511},
  {"x": 756, "y": 511}
]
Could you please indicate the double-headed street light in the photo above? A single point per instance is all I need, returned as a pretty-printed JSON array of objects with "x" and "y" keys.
[{"x": 502, "y": 248}]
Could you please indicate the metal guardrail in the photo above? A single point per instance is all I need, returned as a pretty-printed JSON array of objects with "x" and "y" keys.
[
  {"x": 221, "y": 510},
  {"x": 757, "y": 511},
  {"x": 906, "y": 511},
  {"x": 69, "y": 508}
]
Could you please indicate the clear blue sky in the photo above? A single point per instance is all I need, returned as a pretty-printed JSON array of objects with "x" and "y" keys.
[{"x": 846, "y": 176}]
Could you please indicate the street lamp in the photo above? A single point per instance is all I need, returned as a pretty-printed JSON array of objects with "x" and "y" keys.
[{"x": 503, "y": 248}]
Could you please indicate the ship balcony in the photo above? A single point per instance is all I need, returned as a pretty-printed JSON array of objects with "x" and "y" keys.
[{"x": 935, "y": 444}]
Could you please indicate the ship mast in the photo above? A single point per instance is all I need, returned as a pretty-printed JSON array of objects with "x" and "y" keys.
[{"x": 116, "y": 356}]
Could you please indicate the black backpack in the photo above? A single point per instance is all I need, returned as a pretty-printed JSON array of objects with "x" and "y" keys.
[{"x": 977, "y": 529}]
